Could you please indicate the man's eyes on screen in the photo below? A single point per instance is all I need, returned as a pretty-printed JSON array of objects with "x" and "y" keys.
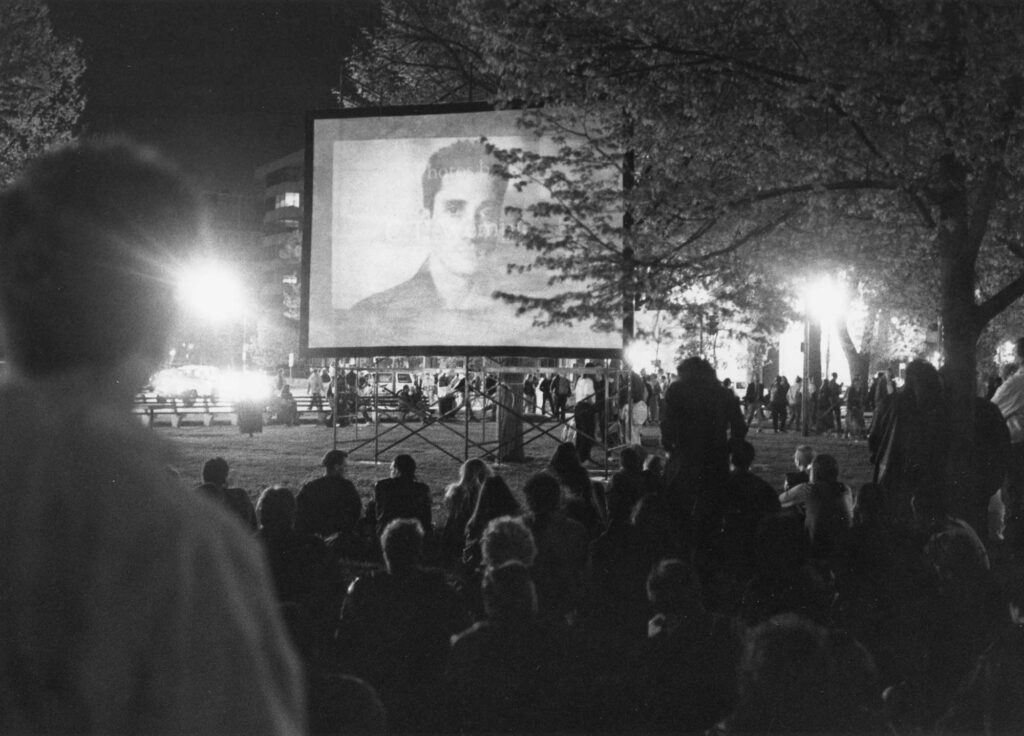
[
  {"x": 489, "y": 212},
  {"x": 454, "y": 206}
]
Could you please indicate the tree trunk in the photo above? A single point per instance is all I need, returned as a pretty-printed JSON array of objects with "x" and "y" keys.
[
  {"x": 960, "y": 333},
  {"x": 859, "y": 362}
]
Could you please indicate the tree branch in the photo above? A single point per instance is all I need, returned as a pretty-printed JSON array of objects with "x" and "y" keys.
[{"x": 995, "y": 304}]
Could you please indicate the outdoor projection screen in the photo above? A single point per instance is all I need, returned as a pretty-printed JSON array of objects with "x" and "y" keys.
[{"x": 406, "y": 239}]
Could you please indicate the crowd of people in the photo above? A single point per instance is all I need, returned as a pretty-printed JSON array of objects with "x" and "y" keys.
[
  {"x": 685, "y": 595},
  {"x": 678, "y": 597}
]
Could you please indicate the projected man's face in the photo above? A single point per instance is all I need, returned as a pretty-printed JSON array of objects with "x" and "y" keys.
[{"x": 465, "y": 221}]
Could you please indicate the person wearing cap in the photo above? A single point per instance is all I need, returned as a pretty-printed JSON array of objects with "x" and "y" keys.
[{"x": 330, "y": 504}]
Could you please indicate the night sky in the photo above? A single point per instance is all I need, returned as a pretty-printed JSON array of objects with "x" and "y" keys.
[{"x": 220, "y": 85}]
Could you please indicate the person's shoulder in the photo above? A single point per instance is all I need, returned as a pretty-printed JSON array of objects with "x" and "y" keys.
[
  {"x": 312, "y": 486},
  {"x": 467, "y": 638},
  {"x": 347, "y": 486},
  {"x": 415, "y": 293},
  {"x": 368, "y": 583},
  {"x": 421, "y": 487}
]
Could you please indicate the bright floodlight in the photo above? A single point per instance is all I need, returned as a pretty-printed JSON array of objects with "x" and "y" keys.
[
  {"x": 825, "y": 299},
  {"x": 211, "y": 291},
  {"x": 640, "y": 355}
]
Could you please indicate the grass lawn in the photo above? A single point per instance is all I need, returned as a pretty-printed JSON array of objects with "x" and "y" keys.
[{"x": 291, "y": 455}]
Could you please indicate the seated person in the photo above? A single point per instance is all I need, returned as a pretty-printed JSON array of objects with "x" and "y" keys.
[
  {"x": 802, "y": 460},
  {"x": 747, "y": 499},
  {"x": 513, "y": 673},
  {"x": 395, "y": 628},
  {"x": 402, "y": 497},
  {"x": 827, "y": 505},
  {"x": 287, "y": 407},
  {"x": 330, "y": 507},
  {"x": 684, "y": 674},
  {"x": 215, "y": 486},
  {"x": 300, "y": 564}
]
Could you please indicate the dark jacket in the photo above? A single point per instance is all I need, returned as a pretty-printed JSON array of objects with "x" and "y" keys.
[{"x": 402, "y": 498}]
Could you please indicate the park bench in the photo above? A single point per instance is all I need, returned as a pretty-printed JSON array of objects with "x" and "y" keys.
[{"x": 176, "y": 412}]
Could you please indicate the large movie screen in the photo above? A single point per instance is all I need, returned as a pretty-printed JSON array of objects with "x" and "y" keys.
[{"x": 408, "y": 238}]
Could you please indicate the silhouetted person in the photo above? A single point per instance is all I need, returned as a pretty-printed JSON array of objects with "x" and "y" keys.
[
  {"x": 578, "y": 491},
  {"x": 401, "y": 496},
  {"x": 344, "y": 704},
  {"x": 330, "y": 505},
  {"x": 561, "y": 548},
  {"x": 303, "y": 569},
  {"x": 512, "y": 673},
  {"x": 128, "y": 605},
  {"x": 684, "y": 674},
  {"x": 990, "y": 698},
  {"x": 215, "y": 487},
  {"x": 909, "y": 439},
  {"x": 494, "y": 500},
  {"x": 460, "y": 501},
  {"x": 700, "y": 418},
  {"x": 395, "y": 627},
  {"x": 783, "y": 580},
  {"x": 629, "y": 482},
  {"x": 747, "y": 499},
  {"x": 790, "y": 681},
  {"x": 615, "y": 609}
]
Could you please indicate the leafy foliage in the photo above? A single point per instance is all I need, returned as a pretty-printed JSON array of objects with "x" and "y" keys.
[
  {"x": 881, "y": 138},
  {"x": 40, "y": 99}
]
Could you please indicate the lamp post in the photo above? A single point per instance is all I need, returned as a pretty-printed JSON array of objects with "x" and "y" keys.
[{"x": 823, "y": 300}]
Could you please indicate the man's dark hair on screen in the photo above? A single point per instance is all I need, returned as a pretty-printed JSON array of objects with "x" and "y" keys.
[{"x": 465, "y": 156}]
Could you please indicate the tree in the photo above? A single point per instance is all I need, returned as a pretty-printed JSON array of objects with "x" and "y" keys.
[
  {"x": 731, "y": 121},
  {"x": 915, "y": 105},
  {"x": 40, "y": 100}
]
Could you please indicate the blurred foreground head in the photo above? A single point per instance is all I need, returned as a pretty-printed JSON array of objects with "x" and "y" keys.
[{"x": 90, "y": 235}]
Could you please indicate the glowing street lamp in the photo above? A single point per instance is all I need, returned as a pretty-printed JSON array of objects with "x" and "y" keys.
[{"x": 213, "y": 292}]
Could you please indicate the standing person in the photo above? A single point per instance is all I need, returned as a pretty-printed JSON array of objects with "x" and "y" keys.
[
  {"x": 129, "y": 606},
  {"x": 836, "y": 391},
  {"x": 778, "y": 403},
  {"x": 583, "y": 415},
  {"x": 1009, "y": 398},
  {"x": 562, "y": 391},
  {"x": 530, "y": 393},
  {"x": 828, "y": 405},
  {"x": 883, "y": 389},
  {"x": 315, "y": 389},
  {"x": 634, "y": 413},
  {"x": 546, "y": 405},
  {"x": 700, "y": 418},
  {"x": 795, "y": 398},
  {"x": 855, "y": 408},
  {"x": 753, "y": 400},
  {"x": 909, "y": 440}
]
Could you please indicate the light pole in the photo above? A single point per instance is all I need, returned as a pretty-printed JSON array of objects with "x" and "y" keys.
[{"x": 823, "y": 300}]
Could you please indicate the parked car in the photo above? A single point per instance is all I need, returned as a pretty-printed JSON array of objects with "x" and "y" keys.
[
  {"x": 190, "y": 383},
  {"x": 186, "y": 383},
  {"x": 389, "y": 382}
]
